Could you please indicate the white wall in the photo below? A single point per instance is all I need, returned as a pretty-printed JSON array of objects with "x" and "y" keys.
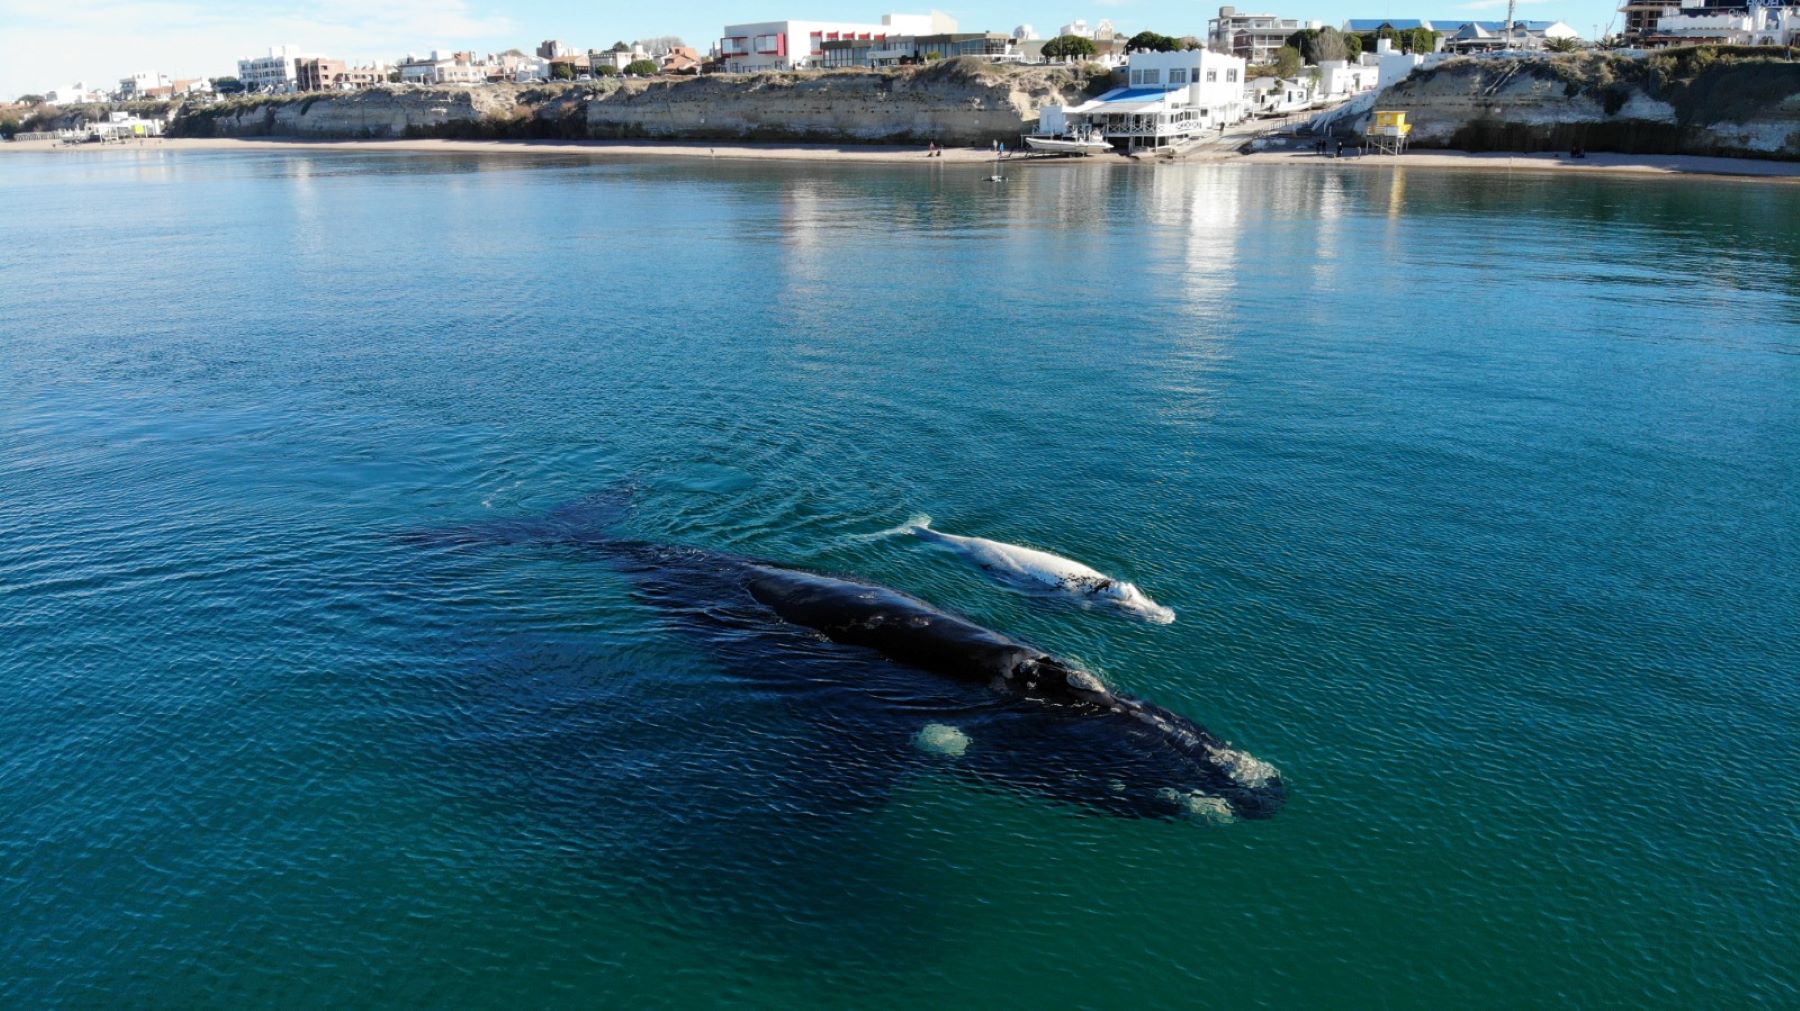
[
  {"x": 1338, "y": 78},
  {"x": 1395, "y": 66},
  {"x": 1212, "y": 79}
]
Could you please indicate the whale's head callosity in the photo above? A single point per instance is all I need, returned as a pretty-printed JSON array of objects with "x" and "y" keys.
[{"x": 1127, "y": 756}]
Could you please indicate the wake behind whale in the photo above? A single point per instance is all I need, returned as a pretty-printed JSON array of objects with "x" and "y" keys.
[{"x": 920, "y": 686}]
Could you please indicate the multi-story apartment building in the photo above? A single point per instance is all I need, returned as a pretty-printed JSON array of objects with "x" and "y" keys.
[
  {"x": 274, "y": 72},
  {"x": 1255, "y": 37},
  {"x": 319, "y": 73}
]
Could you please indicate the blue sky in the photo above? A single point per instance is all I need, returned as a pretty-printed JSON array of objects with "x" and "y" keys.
[{"x": 47, "y": 43}]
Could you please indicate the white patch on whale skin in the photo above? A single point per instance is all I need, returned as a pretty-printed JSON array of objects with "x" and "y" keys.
[
  {"x": 1243, "y": 768},
  {"x": 1199, "y": 806},
  {"x": 941, "y": 739},
  {"x": 1083, "y": 681}
]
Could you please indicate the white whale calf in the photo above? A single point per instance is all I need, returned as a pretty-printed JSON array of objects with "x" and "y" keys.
[{"x": 1043, "y": 572}]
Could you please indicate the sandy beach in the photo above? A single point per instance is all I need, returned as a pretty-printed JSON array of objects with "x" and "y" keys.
[{"x": 1649, "y": 165}]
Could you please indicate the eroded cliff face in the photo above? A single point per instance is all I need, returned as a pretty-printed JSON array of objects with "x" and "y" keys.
[
  {"x": 954, "y": 102},
  {"x": 496, "y": 110},
  {"x": 951, "y": 102},
  {"x": 1692, "y": 101}
]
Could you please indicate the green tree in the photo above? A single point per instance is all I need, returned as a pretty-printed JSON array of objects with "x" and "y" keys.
[
  {"x": 1302, "y": 42},
  {"x": 933, "y": 55},
  {"x": 642, "y": 68},
  {"x": 1069, "y": 47},
  {"x": 607, "y": 70},
  {"x": 1151, "y": 42},
  {"x": 31, "y": 100},
  {"x": 1563, "y": 45},
  {"x": 1421, "y": 40},
  {"x": 562, "y": 71},
  {"x": 1353, "y": 47},
  {"x": 619, "y": 47},
  {"x": 1287, "y": 62},
  {"x": 8, "y": 127}
]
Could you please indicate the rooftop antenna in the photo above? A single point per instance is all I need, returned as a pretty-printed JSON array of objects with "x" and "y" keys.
[{"x": 1512, "y": 6}]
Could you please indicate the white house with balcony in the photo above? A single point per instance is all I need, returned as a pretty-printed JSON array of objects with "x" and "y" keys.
[
  {"x": 274, "y": 72},
  {"x": 1170, "y": 99},
  {"x": 795, "y": 45}
]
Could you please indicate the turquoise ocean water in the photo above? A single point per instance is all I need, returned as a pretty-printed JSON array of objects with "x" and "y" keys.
[{"x": 1476, "y": 495}]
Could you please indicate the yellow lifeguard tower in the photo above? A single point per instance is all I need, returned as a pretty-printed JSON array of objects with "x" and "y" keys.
[{"x": 1388, "y": 131}]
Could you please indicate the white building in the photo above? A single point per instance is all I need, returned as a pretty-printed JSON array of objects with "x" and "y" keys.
[
  {"x": 1099, "y": 33},
  {"x": 619, "y": 59},
  {"x": 1281, "y": 96},
  {"x": 1394, "y": 66},
  {"x": 139, "y": 85},
  {"x": 1491, "y": 36},
  {"x": 1694, "y": 24},
  {"x": 1342, "y": 78},
  {"x": 1255, "y": 37},
  {"x": 525, "y": 69},
  {"x": 124, "y": 126},
  {"x": 1172, "y": 98},
  {"x": 74, "y": 94},
  {"x": 274, "y": 72},
  {"x": 446, "y": 68},
  {"x": 794, "y": 45}
]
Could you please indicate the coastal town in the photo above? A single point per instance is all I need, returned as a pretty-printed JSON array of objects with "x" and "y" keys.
[{"x": 1142, "y": 91}]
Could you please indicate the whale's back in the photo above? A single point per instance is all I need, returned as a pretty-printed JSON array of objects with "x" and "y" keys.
[{"x": 898, "y": 625}]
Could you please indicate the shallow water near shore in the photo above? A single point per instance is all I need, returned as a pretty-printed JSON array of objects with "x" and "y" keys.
[{"x": 1475, "y": 495}]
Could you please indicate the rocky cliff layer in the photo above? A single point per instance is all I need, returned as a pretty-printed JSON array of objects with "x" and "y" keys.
[
  {"x": 951, "y": 102},
  {"x": 1709, "y": 101}
]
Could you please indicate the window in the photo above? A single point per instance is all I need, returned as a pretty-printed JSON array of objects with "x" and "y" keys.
[
  {"x": 1212, "y": 76},
  {"x": 1152, "y": 77},
  {"x": 1231, "y": 74},
  {"x": 1178, "y": 76}
]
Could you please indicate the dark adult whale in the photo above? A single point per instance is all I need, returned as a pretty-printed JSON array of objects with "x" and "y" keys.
[{"x": 922, "y": 686}]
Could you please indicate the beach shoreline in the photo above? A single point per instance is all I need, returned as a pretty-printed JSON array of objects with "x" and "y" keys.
[
  {"x": 1594, "y": 163},
  {"x": 881, "y": 153}
]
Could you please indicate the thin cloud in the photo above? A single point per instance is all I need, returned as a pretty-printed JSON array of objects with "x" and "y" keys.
[{"x": 52, "y": 44}]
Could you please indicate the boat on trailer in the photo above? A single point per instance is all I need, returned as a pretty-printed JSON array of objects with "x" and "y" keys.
[{"x": 1069, "y": 145}]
